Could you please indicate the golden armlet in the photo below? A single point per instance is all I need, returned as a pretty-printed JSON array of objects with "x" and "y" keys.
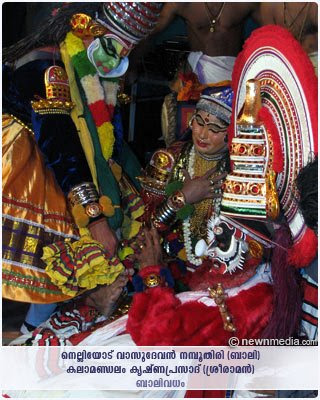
[{"x": 86, "y": 195}]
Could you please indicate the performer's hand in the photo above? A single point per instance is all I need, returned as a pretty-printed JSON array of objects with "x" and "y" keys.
[
  {"x": 151, "y": 251},
  {"x": 101, "y": 232},
  {"x": 103, "y": 298},
  {"x": 201, "y": 188}
]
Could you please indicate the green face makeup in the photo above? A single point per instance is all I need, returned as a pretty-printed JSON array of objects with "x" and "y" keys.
[{"x": 107, "y": 55}]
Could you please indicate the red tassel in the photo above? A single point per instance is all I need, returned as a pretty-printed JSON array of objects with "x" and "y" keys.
[
  {"x": 151, "y": 269},
  {"x": 270, "y": 126},
  {"x": 303, "y": 252},
  {"x": 287, "y": 297}
]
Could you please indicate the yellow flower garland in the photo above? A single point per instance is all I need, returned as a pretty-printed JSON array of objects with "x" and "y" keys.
[
  {"x": 94, "y": 91},
  {"x": 106, "y": 138}
]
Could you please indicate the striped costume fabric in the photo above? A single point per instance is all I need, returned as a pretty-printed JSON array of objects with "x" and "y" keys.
[{"x": 34, "y": 214}]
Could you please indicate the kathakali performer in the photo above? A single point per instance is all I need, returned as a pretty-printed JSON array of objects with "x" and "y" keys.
[
  {"x": 238, "y": 253},
  {"x": 66, "y": 167},
  {"x": 244, "y": 266}
]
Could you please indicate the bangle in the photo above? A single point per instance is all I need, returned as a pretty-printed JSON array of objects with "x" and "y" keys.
[
  {"x": 83, "y": 194},
  {"x": 151, "y": 277},
  {"x": 174, "y": 208},
  {"x": 87, "y": 196},
  {"x": 165, "y": 214},
  {"x": 177, "y": 200}
]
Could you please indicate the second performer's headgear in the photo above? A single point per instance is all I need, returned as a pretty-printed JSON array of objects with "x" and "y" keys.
[
  {"x": 273, "y": 132},
  {"x": 217, "y": 100}
]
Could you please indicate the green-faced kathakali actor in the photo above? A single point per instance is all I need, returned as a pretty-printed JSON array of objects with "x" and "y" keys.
[{"x": 92, "y": 42}]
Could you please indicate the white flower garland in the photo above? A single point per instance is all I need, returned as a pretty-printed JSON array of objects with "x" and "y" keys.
[
  {"x": 110, "y": 91},
  {"x": 186, "y": 223}
]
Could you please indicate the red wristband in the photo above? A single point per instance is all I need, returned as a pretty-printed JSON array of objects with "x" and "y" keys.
[
  {"x": 151, "y": 276},
  {"x": 151, "y": 269}
]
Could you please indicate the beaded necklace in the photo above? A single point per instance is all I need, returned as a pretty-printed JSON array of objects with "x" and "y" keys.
[
  {"x": 215, "y": 207},
  {"x": 202, "y": 209}
]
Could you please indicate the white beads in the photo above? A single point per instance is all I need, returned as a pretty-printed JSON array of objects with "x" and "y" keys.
[
  {"x": 186, "y": 223},
  {"x": 199, "y": 250}
]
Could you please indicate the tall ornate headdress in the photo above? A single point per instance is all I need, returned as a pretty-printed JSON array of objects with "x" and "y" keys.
[
  {"x": 130, "y": 21},
  {"x": 58, "y": 100},
  {"x": 273, "y": 131}
]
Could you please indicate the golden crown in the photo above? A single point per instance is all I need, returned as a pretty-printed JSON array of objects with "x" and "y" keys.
[{"x": 58, "y": 99}]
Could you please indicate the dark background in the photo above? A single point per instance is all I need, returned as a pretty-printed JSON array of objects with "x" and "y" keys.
[{"x": 156, "y": 69}]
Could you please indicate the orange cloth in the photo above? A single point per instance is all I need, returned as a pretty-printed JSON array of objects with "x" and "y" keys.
[{"x": 34, "y": 214}]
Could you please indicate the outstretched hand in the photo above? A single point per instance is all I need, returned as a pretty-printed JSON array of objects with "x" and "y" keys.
[
  {"x": 105, "y": 297},
  {"x": 203, "y": 187},
  {"x": 150, "y": 249}
]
